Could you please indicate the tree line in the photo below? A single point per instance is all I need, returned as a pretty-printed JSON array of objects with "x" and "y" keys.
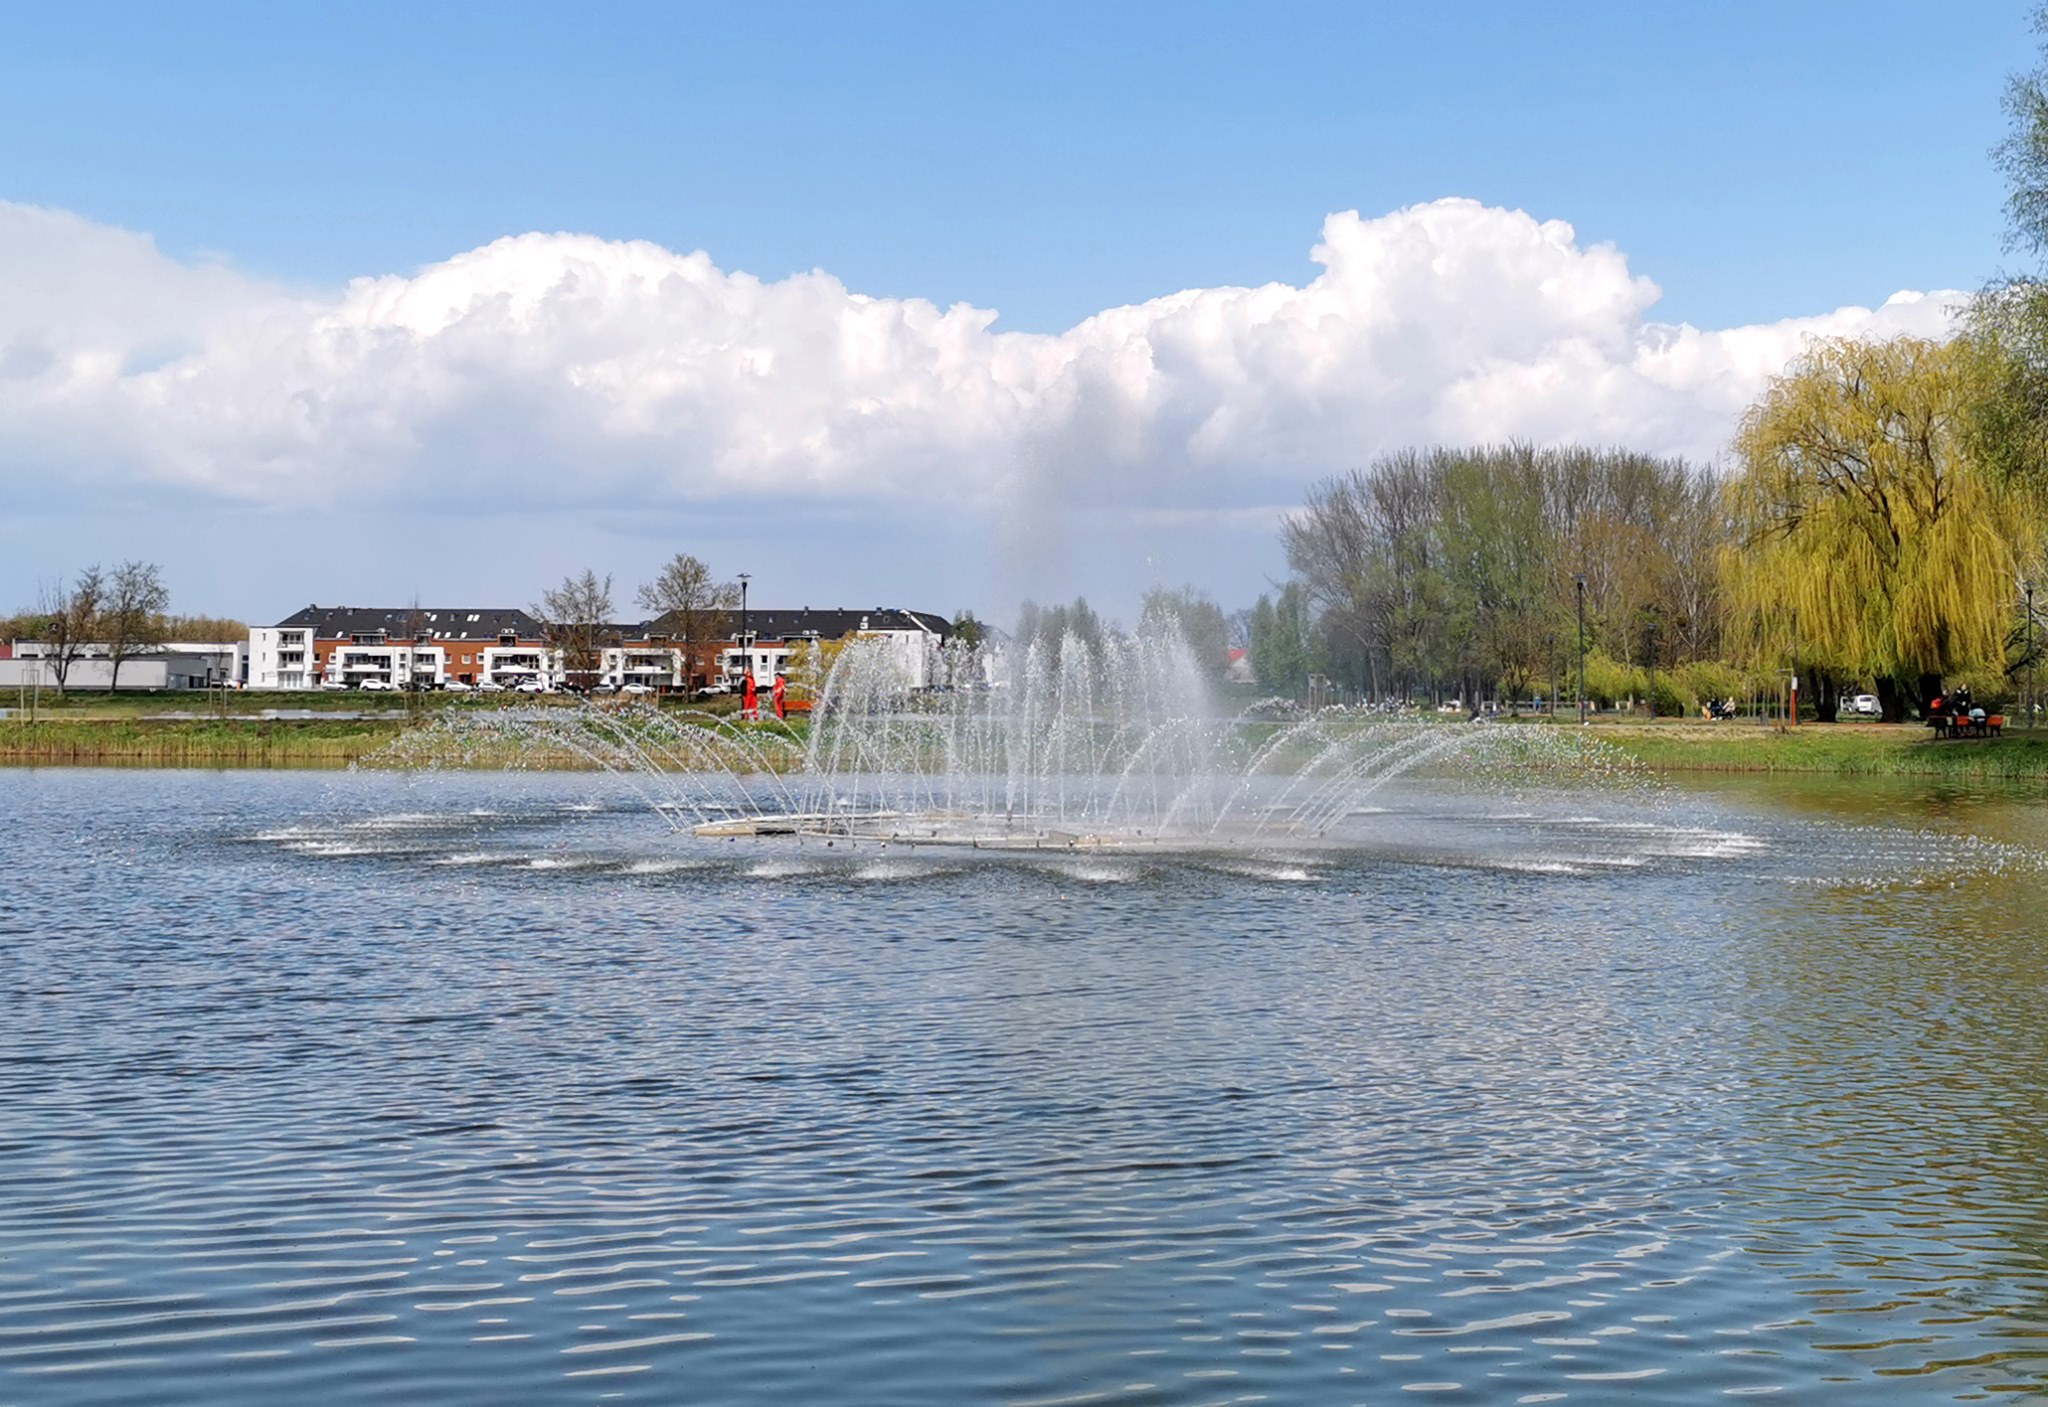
[
  {"x": 1882, "y": 525},
  {"x": 1453, "y": 572},
  {"x": 1882, "y": 528}
]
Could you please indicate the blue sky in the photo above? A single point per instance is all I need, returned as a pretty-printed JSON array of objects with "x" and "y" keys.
[{"x": 1759, "y": 162}]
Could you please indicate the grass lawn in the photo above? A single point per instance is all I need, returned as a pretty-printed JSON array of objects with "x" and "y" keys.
[{"x": 1849, "y": 749}]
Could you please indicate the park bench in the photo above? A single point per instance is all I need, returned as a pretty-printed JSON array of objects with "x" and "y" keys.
[{"x": 1953, "y": 726}]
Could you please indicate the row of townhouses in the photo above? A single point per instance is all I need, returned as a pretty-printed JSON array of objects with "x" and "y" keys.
[
  {"x": 329, "y": 646},
  {"x": 400, "y": 648}
]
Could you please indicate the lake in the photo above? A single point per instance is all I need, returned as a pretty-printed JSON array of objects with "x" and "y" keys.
[{"x": 485, "y": 1088}]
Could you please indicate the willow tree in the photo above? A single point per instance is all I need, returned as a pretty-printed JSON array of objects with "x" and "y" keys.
[{"x": 1872, "y": 539}]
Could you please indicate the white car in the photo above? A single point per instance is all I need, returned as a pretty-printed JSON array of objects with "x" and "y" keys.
[
  {"x": 531, "y": 686},
  {"x": 490, "y": 686},
  {"x": 332, "y": 684},
  {"x": 1867, "y": 706},
  {"x": 456, "y": 686},
  {"x": 636, "y": 688},
  {"x": 376, "y": 686}
]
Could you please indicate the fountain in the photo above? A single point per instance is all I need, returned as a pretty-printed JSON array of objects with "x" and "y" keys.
[{"x": 1070, "y": 743}]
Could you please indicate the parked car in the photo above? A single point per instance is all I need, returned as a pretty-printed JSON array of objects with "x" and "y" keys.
[
  {"x": 332, "y": 684},
  {"x": 531, "y": 686},
  {"x": 1866, "y": 705},
  {"x": 456, "y": 686},
  {"x": 604, "y": 688},
  {"x": 636, "y": 688},
  {"x": 490, "y": 686},
  {"x": 377, "y": 686}
]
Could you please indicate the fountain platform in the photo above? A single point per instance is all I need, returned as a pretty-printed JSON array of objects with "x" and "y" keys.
[{"x": 958, "y": 828}]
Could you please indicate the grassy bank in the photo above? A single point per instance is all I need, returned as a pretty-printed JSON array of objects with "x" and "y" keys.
[
  {"x": 1843, "y": 749},
  {"x": 192, "y": 743},
  {"x": 1670, "y": 746},
  {"x": 81, "y": 737}
]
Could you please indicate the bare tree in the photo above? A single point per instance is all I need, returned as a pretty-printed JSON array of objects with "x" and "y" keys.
[
  {"x": 572, "y": 620},
  {"x": 68, "y": 620},
  {"x": 695, "y": 610},
  {"x": 133, "y": 622}
]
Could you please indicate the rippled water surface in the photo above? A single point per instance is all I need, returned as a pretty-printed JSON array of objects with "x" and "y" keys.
[{"x": 491, "y": 1089}]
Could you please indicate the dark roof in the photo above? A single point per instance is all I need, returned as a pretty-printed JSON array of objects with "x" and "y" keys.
[
  {"x": 837, "y": 623},
  {"x": 481, "y": 623}
]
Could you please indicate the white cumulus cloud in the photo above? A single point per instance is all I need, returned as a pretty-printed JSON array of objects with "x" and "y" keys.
[{"x": 569, "y": 368}]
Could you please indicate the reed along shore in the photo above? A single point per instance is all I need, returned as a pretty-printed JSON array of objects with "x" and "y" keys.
[{"x": 210, "y": 742}]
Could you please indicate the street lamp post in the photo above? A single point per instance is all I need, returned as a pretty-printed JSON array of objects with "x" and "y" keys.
[
  {"x": 2028, "y": 586},
  {"x": 746, "y": 646},
  {"x": 1795, "y": 667},
  {"x": 1653, "y": 671},
  {"x": 1579, "y": 580}
]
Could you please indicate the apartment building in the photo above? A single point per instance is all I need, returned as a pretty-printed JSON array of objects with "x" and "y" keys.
[
  {"x": 409, "y": 647},
  {"x": 403, "y": 647},
  {"x": 764, "y": 640}
]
